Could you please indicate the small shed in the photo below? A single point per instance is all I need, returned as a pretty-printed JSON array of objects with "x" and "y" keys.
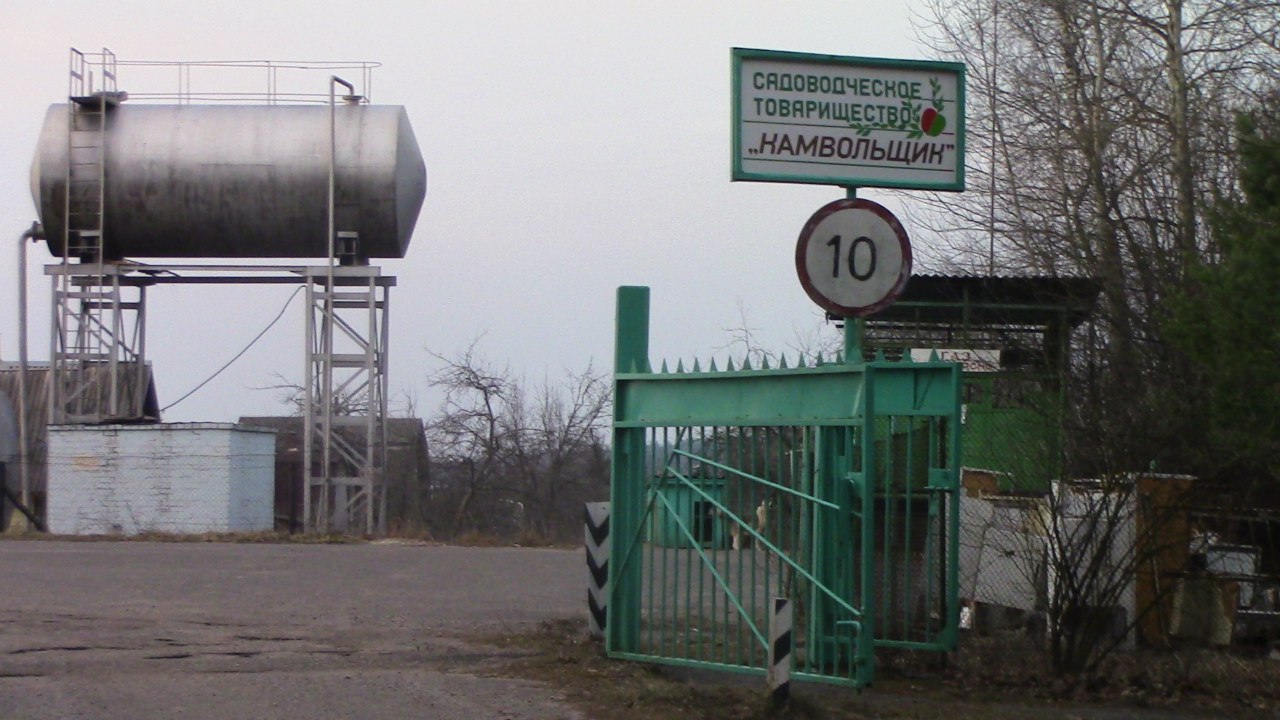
[
  {"x": 406, "y": 476},
  {"x": 172, "y": 478},
  {"x": 689, "y": 508},
  {"x": 137, "y": 394}
]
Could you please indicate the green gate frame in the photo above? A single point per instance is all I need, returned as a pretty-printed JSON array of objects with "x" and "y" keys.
[{"x": 853, "y": 414}]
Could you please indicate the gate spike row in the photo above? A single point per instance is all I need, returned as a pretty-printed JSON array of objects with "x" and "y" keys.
[
  {"x": 764, "y": 362},
  {"x": 648, "y": 366},
  {"x": 680, "y": 366},
  {"x": 746, "y": 363},
  {"x": 817, "y": 359},
  {"x": 906, "y": 355},
  {"x": 839, "y": 358},
  {"x": 879, "y": 355},
  {"x": 697, "y": 366},
  {"x": 665, "y": 371},
  {"x": 782, "y": 363},
  {"x": 729, "y": 366},
  {"x": 713, "y": 366},
  {"x": 933, "y": 355}
]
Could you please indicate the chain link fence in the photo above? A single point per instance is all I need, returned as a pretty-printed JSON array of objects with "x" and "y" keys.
[{"x": 1137, "y": 574}]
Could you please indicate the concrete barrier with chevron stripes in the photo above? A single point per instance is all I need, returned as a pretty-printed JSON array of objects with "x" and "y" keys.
[
  {"x": 597, "y": 542},
  {"x": 780, "y": 646}
]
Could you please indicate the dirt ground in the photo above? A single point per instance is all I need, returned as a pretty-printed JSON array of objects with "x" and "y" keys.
[{"x": 374, "y": 630}]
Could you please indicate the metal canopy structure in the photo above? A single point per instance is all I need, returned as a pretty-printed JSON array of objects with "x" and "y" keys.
[
  {"x": 1015, "y": 400},
  {"x": 1031, "y": 315}
]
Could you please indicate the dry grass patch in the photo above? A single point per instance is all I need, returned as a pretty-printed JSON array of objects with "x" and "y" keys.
[
  {"x": 561, "y": 654},
  {"x": 980, "y": 683},
  {"x": 1186, "y": 681}
]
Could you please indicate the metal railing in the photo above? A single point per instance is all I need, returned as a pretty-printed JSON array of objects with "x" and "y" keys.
[{"x": 217, "y": 81}]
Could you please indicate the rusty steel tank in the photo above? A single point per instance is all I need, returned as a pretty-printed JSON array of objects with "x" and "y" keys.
[{"x": 241, "y": 181}]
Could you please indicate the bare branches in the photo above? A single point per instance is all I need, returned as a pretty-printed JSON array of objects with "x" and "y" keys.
[
  {"x": 1099, "y": 131},
  {"x": 509, "y": 463},
  {"x": 1099, "y": 136},
  {"x": 293, "y": 395},
  {"x": 811, "y": 342}
]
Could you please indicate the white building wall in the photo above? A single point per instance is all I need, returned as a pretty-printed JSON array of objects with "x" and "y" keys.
[
  {"x": 174, "y": 478},
  {"x": 253, "y": 469},
  {"x": 1001, "y": 552},
  {"x": 1087, "y": 516}
]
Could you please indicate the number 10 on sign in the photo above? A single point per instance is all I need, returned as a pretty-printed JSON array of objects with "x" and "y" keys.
[{"x": 853, "y": 258}]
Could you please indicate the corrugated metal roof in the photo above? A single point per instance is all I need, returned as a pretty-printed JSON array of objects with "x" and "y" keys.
[
  {"x": 987, "y": 299},
  {"x": 164, "y": 427},
  {"x": 37, "y": 397}
]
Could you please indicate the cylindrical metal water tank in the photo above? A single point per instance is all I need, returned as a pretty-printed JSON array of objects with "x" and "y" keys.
[{"x": 241, "y": 181}]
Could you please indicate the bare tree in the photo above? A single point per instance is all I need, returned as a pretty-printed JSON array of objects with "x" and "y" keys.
[
  {"x": 1099, "y": 134},
  {"x": 294, "y": 396},
  {"x": 1099, "y": 560},
  {"x": 466, "y": 436},
  {"x": 1098, "y": 131},
  {"x": 814, "y": 341},
  {"x": 505, "y": 463},
  {"x": 557, "y": 459}
]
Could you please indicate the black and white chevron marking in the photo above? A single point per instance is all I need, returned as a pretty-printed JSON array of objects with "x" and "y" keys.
[
  {"x": 597, "y": 542},
  {"x": 780, "y": 651}
]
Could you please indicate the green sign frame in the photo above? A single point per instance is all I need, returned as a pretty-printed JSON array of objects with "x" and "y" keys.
[{"x": 848, "y": 121}]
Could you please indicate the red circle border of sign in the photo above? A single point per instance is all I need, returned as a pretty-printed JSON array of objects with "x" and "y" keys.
[{"x": 802, "y": 270}]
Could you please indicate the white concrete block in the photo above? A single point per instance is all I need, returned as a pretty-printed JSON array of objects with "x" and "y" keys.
[{"x": 174, "y": 478}]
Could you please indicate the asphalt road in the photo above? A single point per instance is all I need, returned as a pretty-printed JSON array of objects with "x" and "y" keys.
[{"x": 207, "y": 630}]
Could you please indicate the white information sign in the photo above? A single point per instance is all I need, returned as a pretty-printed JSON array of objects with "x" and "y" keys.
[
  {"x": 853, "y": 258},
  {"x": 849, "y": 121},
  {"x": 973, "y": 360}
]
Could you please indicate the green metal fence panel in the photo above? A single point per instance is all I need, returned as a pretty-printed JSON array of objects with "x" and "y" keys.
[{"x": 829, "y": 484}]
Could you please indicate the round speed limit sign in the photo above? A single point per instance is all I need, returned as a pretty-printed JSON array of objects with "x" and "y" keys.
[{"x": 853, "y": 258}]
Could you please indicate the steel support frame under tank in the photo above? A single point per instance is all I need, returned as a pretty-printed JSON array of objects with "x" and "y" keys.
[
  {"x": 345, "y": 439},
  {"x": 98, "y": 340},
  {"x": 344, "y": 395}
]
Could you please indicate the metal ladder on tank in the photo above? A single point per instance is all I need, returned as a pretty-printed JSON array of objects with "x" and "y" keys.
[{"x": 88, "y": 343}]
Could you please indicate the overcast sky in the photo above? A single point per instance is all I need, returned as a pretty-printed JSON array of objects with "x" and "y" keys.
[{"x": 571, "y": 147}]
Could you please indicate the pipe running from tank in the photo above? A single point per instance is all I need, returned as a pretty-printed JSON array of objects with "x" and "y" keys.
[{"x": 31, "y": 234}]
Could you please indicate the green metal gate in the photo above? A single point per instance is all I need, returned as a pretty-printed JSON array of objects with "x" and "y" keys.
[{"x": 831, "y": 484}]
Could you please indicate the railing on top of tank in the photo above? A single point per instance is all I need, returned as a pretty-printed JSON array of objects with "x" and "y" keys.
[
  {"x": 224, "y": 81},
  {"x": 83, "y": 69}
]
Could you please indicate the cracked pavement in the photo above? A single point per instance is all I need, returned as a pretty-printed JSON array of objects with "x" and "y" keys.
[{"x": 212, "y": 630}]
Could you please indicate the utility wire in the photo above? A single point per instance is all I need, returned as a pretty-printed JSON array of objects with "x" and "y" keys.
[{"x": 218, "y": 372}]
